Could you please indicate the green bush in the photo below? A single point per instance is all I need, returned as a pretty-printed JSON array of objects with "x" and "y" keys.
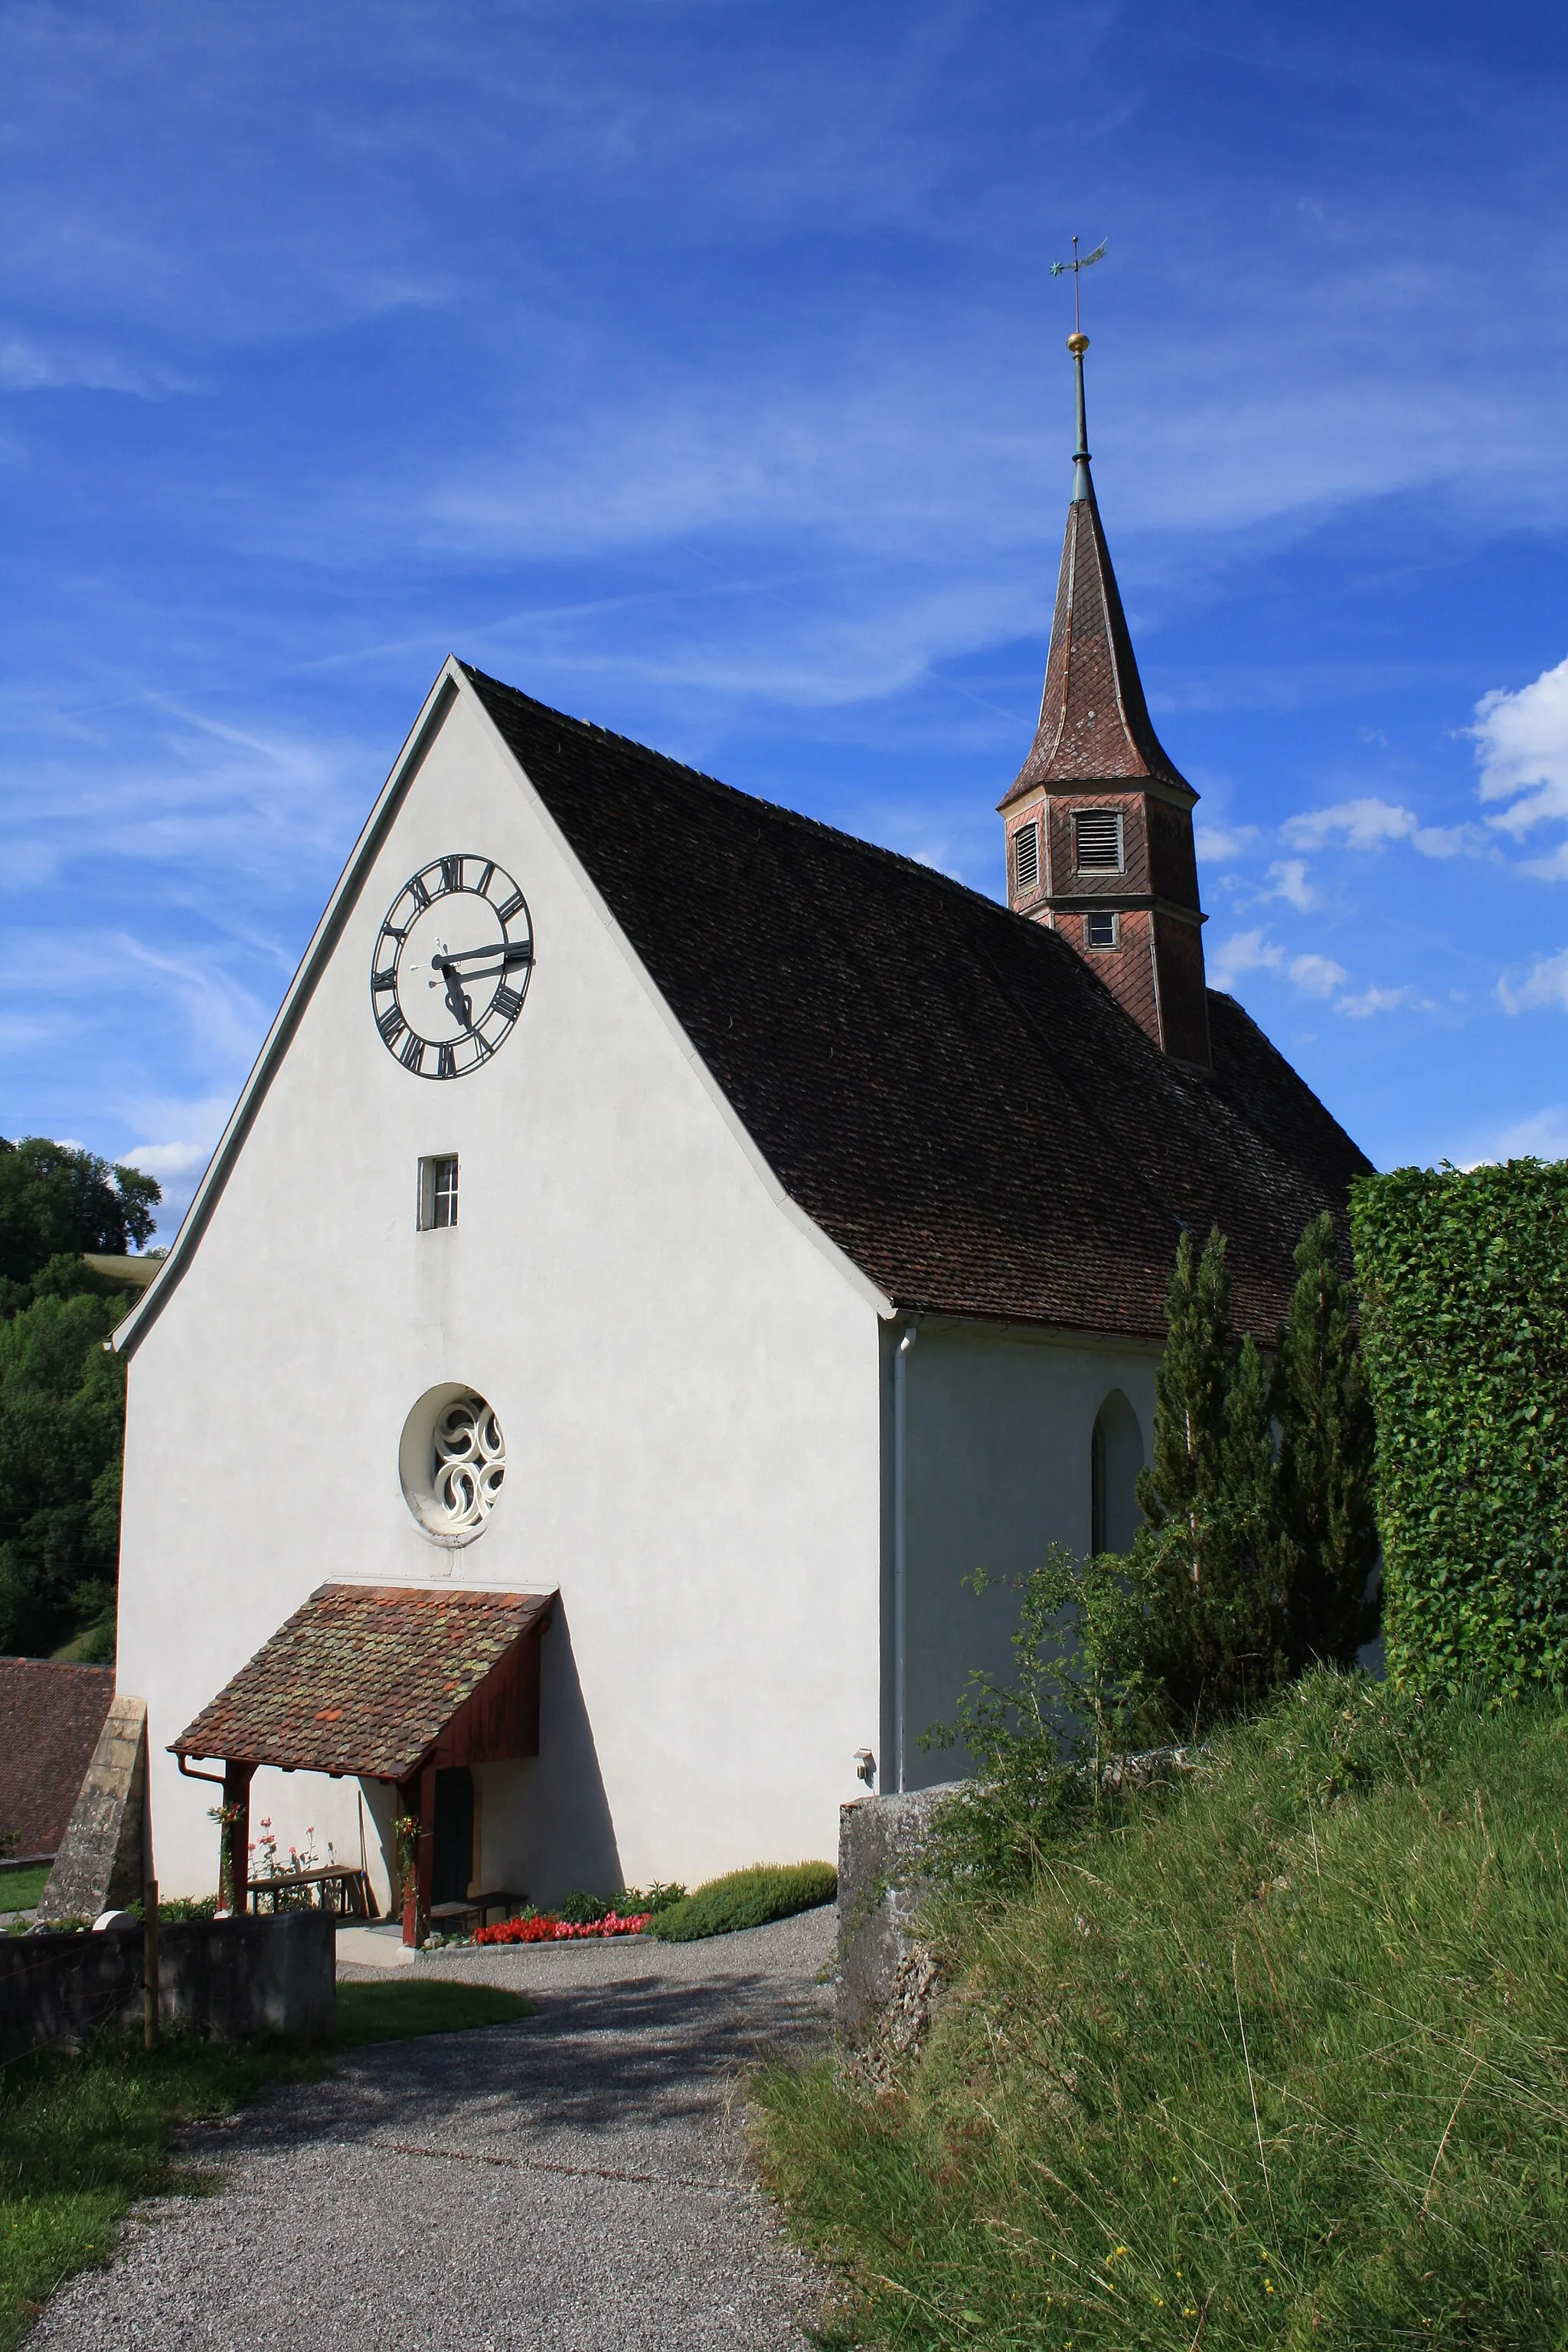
[
  {"x": 746, "y": 1898},
  {"x": 1464, "y": 1279},
  {"x": 1270, "y": 2058},
  {"x": 580, "y": 1909},
  {"x": 632, "y": 1901}
]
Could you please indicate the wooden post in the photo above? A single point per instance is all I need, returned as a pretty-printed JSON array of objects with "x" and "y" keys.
[
  {"x": 426, "y": 1847},
  {"x": 150, "y": 1964},
  {"x": 416, "y": 1798},
  {"x": 236, "y": 1780}
]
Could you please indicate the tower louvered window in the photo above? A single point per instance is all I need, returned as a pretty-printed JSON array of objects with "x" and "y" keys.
[
  {"x": 1026, "y": 856},
  {"x": 1098, "y": 835}
]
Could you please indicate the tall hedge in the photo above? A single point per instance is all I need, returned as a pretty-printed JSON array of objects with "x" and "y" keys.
[{"x": 1464, "y": 1282}]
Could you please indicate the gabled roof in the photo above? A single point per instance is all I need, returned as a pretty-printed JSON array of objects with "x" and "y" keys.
[
  {"x": 364, "y": 1678},
  {"x": 944, "y": 1088}
]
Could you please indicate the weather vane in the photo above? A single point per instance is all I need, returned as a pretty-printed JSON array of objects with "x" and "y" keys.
[{"x": 1079, "y": 341}]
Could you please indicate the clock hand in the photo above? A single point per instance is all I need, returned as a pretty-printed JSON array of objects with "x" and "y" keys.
[
  {"x": 458, "y": 1004},
  {"x": 516, "y": 951}
]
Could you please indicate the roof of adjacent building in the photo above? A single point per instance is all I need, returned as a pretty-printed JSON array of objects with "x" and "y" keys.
[
  {"x": 50, "y": 1716},
  {"x": 945, "y": 1088},
  {"x": 363, "y": 1678}
]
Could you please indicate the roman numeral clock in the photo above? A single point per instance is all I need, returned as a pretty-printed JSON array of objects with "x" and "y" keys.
[{"x": 451, "y": 965}]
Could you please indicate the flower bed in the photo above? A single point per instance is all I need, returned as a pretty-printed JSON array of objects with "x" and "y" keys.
[{"x": 543, "y": 1929}]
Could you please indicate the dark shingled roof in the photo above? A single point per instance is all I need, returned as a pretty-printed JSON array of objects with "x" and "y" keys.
[
  {"x": 363, "y": 1678},
  {"x": 50, "y": 1716},
  {"x": 945, "y": 1088}
]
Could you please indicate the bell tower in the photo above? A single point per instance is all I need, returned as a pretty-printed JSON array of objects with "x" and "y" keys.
[{"x": 1100, "y": 819}]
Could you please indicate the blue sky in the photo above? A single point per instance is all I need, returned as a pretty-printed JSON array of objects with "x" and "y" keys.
[{"x": 697, "y": 368}]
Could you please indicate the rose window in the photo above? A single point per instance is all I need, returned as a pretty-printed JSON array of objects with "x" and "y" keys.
[
  {"x": 451, "y": 1463},
  {"x": 470, "y": 1462}
]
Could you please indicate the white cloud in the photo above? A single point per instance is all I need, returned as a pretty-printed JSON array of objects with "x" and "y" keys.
[
  {"x": 1543, "y": 1136},
  {"x": 1243, "y": 951},
  {"x": 27, "y": 367},
  {"x": 169, "y": 1161},
  {"x": 1370, "y": 1001},
  {"x": 1317, "y": 975},
  {"x": 1546, "y": 983},
  {"x": 1374, "y": 825},
  {"x": 1218, "y": 841},
  {"x": 1289, "y": 876},
  {"x": 1522, "y": 742}
]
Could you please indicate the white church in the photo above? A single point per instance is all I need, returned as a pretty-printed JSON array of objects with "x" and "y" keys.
[{"x": 664, "y": 1247}]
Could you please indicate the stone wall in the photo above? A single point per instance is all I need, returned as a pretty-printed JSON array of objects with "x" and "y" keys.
[
  {"x": 879, "y": 1844},
  {"x": 224, "y": 1979},
  {"x": 101, "y": 1862}
]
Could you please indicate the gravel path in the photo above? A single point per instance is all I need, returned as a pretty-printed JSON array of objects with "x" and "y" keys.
[{"x": 576, "y": 2180}]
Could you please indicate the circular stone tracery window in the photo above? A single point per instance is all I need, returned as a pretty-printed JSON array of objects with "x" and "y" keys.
[{"x": 452, "y": 1462}]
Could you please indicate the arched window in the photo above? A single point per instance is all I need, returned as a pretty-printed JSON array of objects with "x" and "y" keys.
[{"x": 1115, "y": 1458}]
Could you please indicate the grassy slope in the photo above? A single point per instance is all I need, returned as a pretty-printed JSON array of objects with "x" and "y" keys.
[
  {"x": 81, "y": 2138},
  {"x": 1281, "y": 2061}
]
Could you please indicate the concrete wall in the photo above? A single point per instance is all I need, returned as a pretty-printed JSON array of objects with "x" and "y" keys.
[
  {"x": 224, "y": 1978},
  {"x": 685, "y": 1375},
  {"x": 1000, "y": 1425}
]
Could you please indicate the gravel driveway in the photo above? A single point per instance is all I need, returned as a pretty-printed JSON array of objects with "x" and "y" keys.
[{"x": 576, "y": 2180}]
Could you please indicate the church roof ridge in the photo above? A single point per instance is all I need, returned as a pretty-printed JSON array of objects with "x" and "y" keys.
[{"x": 760, "y": 802}]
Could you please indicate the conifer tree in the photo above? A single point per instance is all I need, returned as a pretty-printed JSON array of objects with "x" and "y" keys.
[
  {"x": 1324, "y": 1411},
  {"x": 1206, "y": 1564},
  {"x": 1182, "y": 1481}
]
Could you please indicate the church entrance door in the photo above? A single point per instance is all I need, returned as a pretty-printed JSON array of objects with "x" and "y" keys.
[{"x": 452, "y": 1864}]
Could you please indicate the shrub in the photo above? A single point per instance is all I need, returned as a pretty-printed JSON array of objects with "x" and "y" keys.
[
  {"x": 655, "y": 1896},
  {"x": 1464, "y": 1278},
  {"x": 580, "y": 1909},
  {"x": 746, "y": 1898}
]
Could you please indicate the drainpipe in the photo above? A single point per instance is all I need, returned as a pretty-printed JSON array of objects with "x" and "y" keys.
[{"x": 901, "y": 1537}]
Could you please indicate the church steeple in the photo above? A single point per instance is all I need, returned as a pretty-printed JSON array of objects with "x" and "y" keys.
[{"x": 1098, "y": 820}]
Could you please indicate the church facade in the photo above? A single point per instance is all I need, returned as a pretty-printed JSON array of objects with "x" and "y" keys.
[{"x": 665, "y": 1247}]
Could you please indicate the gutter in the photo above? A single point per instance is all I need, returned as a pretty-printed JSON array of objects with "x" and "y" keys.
[{"x": 900, "y": 1547}]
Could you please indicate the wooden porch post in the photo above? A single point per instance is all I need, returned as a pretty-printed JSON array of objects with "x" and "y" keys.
[
  {"x": 236, "y": 1780},
  {"x": 416, "y": 1797}
]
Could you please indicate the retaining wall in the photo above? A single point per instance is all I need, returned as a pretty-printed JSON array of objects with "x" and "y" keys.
[
  {"x": 879, "y": 1844},
  {"x": 224, "y": 1980}
]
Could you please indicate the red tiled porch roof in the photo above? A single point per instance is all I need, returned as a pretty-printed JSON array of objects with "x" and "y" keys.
[{"x": 363, "y": 1679}]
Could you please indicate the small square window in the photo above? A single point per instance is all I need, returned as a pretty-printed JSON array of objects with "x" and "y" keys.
[
  {"x": 1103, "y": 931},
  {"x": 437, "y": 1193}
]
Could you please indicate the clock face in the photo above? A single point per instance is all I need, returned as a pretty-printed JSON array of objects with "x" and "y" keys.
[{"x": 451, "y": 968}]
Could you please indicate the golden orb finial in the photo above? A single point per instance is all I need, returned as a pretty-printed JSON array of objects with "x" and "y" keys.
[{"x": 1077, "y": 344}]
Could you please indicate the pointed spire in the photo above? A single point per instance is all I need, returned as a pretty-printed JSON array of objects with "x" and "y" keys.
[
  {"x": 1099, "y": 823},
  {"x": 1094, "y": 725}
]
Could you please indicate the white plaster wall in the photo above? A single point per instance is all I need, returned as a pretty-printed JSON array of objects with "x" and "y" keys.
[
  {"x": 686, "y": 1380},
  {"x": 1000, "y": 1423}
]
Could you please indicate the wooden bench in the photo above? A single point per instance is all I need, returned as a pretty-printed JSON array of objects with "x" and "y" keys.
[
  {"x": 345, "y": 1892},
  {"x": 475, "y": 1911}
]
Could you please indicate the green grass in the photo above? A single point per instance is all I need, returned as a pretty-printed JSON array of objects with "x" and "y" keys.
[
  {"x": 82, "y": 2138},
  {"x": 745, "y": 1899},
  {"x": 1280, "y": 2059},
  {"x": 393, "y": 2012},
  {"x": 20, "y": 1889}
]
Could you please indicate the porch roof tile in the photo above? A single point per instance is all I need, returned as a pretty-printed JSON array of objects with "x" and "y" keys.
[{"x": 363, "y": 1678}]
